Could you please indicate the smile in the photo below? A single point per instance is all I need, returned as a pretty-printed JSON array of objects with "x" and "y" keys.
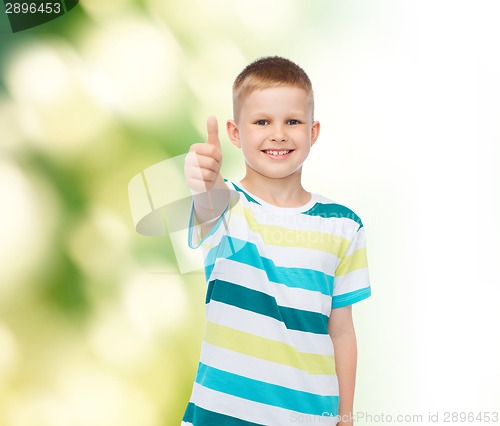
[{"x": 277, "y": 152}]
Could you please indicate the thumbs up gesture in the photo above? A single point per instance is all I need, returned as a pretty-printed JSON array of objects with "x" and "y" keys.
[
  {"x": 202, "y": 171},
  {"x": 204, "y": 160}
]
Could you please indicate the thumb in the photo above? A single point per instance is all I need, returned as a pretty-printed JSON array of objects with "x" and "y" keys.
[{"x": 213, "y": 131}]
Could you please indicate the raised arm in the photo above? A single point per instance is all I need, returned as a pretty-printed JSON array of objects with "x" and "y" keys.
[{"x": 202, "y": 172}]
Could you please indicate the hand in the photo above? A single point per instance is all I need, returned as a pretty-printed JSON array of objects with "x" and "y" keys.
[{"x": 203, "y": 161}]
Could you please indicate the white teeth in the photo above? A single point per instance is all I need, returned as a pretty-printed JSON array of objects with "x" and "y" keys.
[{"x": 272, "y": 152}]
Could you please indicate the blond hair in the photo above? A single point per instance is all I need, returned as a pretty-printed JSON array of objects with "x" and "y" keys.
[{"x": 267, "y": 72}]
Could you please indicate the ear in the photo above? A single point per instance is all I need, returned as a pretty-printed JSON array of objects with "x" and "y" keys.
[
  {"x": 233, "y": 133},
  {"x": 315, "y": 132}
]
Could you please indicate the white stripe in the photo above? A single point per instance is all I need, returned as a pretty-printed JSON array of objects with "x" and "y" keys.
[
  {"x": 338, "y": 226},
  {"x": 267, "y": 371},
  {"x": 256, "y": 279},
  {"x": 269, "y": 328},
  {"x": 252, "y": 411},
  {"x": 286, "y": 256},
  {"x": 271, "y": 217},
  {"x": 306, "y": 258},
  {"x": 352, "y": 281},
  {"x": 360, "y": 242}
]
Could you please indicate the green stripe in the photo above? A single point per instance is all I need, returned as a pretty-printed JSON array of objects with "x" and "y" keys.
[
  {"x": 268, "y": 349},
  {"x": 353, "y": 262},
  {"x": 280, "y": 236},
  {"x": 264, "y": 304},
  {"x": 333, "y": 210},
  {"x": 200, "y": 417}
]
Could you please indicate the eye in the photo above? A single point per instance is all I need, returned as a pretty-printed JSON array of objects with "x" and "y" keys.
[
  {"x": 293, "y": 122},
  {"x": 261, "y": 122}
]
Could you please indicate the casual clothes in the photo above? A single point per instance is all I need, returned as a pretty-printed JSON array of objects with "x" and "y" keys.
[{"x": 273, "y": 275}]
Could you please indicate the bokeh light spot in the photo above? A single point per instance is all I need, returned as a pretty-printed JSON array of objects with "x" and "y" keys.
[{"x": 139, "y": 86}]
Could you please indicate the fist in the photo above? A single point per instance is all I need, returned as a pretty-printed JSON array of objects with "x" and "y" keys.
[{"x": 203, "y": 161}]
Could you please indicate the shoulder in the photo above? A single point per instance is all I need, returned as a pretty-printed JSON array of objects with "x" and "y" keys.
[
  {"x": 332, "y": 210},
  {"x": 238, "y": 193}
]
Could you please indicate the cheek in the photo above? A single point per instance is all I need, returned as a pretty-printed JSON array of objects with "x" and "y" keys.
[{"x": 248, "y": 151}]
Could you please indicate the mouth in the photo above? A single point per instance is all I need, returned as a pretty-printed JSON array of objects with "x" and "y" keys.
[{"x": 277, "y": 153}]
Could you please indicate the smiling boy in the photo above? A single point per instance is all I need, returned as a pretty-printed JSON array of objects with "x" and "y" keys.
[{"x": 283, "y": 266}]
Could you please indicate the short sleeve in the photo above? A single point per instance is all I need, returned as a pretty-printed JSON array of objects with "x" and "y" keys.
[
  {"x": 213, "y": 237},
  {"x": 351, "y": 282},
  {"x": 220, "y": 228}
]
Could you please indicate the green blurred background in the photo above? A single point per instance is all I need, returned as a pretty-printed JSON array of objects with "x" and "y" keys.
[{"x": 97, "y": 325}]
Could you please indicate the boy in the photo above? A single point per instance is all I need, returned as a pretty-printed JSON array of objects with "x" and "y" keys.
[{"x": 283, "y": 266}]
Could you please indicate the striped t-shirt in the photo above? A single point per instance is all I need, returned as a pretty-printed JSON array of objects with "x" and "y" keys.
[{"x": 273, "y": 275}]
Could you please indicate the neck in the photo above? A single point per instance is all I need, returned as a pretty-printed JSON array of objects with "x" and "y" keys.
[{"x": 281, "y": 192}]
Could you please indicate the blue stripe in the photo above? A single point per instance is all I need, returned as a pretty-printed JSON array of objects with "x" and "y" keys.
[
  {"x": 248, "y": 253},
  {"x": 333, "y": 210},
  {"x": 247, "y": 196},
  {"x": 227, "y": 248},
  {"x": 262, "y": 303},
  {"x": 266, "y": 393},
  {"x": 351, "y": 297},
  {"x": 198, "y": 416}
]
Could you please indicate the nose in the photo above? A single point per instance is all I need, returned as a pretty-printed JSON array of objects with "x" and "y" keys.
[{"x": 278, "y": 133}]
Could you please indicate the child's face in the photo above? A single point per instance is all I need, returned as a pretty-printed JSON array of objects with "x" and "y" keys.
[{"x": 275, "y": 130}]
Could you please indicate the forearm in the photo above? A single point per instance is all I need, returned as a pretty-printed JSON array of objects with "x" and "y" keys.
[
  {"x": 345, "y": 348},
  {"x": 341, "y": 331},
  {"x": 209, "y": 205}
]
